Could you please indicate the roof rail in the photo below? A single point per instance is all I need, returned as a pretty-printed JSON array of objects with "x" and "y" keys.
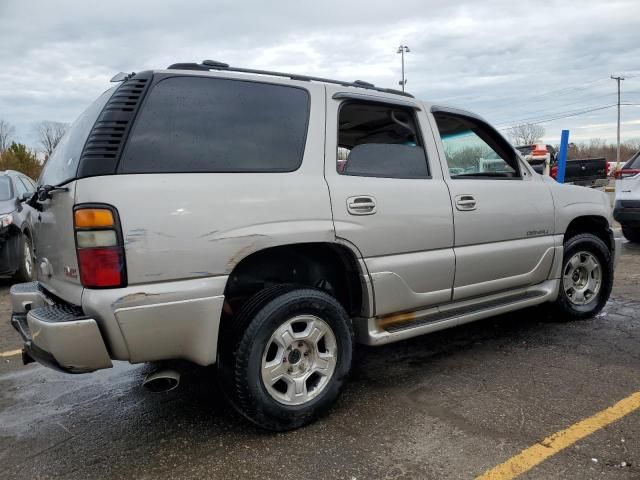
[{"x": 214, "y": 65}]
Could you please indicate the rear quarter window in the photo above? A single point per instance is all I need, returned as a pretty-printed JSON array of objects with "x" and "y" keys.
[
  {"x": 61, "y": 167},
  {"x": 198, "y": 124}
]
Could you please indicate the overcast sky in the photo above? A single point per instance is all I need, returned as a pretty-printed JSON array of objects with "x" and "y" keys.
[{"x": 510, "y": 61}]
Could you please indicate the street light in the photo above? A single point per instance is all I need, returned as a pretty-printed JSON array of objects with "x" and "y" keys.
[{"x": 401, "y": 50}]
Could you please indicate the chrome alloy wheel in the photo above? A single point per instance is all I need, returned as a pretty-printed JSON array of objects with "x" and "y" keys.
[
  {"x": 299, "y": 360},
  {"x": 582, "y": 278},
  {"x": 28, "y": 259}
]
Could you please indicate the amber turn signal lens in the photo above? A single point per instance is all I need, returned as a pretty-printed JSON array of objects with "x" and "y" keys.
[{"x": 94, "y": 217}]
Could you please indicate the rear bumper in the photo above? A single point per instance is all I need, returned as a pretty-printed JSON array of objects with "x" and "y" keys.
[
  {"x": 140, "y": 323},
  {"x": 56, "y": 335}
]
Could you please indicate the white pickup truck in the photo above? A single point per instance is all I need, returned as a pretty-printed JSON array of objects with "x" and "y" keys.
[{"x": 201, "y": 212}]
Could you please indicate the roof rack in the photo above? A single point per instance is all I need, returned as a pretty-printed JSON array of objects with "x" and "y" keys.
[{"x": 214, "y": 65}]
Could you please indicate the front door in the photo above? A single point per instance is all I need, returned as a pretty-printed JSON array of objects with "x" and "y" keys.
[
  {"x": 389, "y": 199},
  {"x": 503, "y": 214}
]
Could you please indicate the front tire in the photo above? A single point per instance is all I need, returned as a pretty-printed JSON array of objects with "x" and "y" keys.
[
  {"x": 586, "y": 279},
  {"x": 289, "y": 359},
  {"x": 26, "y": 270},
  {"x": 631, "y": 234}
]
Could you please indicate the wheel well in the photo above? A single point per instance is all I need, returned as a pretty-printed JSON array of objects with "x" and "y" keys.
[
  {"x": 329, "y": 267},
  {"x": 593, "y": 224}
]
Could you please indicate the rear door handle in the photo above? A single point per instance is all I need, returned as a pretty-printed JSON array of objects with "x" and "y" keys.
[
  {"x": 361, "y": 205},
  {"x": 465, "y": 202}
]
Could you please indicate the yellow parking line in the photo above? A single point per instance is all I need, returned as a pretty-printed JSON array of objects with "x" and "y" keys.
[
  {"x": 10, "y": 353},
  {"x": 532, "y": 456}
]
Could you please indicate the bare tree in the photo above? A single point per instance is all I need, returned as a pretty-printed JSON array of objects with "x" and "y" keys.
[
  {"x": 526, "y": 134},
  {"x": 6, "y": 134},
  {"x": 49, "y": 135}
]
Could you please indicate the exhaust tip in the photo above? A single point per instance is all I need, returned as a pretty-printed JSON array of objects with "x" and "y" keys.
[{"x": 162, "y": 381}]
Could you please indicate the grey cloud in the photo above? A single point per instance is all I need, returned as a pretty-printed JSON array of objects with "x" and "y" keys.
[{"x": 496, "y": 57}]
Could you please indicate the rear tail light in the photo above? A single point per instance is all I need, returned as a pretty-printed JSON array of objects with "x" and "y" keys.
[
  {"x": 99, "y": 246},
  {"x": 554, "y": 171},
  {"x": 627, "y": 172}
]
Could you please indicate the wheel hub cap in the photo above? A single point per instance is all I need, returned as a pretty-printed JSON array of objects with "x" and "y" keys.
[
  {"x": 28, "y": 262},
  {"x": 294, "y": 356},
  {"x": 299, "y": 360},
  {"x": 582, "y": 278}
]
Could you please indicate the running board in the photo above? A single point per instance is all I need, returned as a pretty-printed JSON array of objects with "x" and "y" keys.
[{"x": 395, "y": 327}]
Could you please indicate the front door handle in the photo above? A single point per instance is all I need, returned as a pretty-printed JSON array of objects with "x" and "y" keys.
[
  {"x": 361, "y": 205},
  {"x": 465, "y": 202}
]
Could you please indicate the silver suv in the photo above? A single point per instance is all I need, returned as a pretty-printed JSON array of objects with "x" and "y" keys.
[{"x": 266, "y": 222}]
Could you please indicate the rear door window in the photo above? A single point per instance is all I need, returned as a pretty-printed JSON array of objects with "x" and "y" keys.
[
  {"x": 379, "y": 140},
  {"x": 198, "y": 124}
]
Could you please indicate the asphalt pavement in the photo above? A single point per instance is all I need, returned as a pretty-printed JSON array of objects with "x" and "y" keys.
[{"x": 450, "y": 405}]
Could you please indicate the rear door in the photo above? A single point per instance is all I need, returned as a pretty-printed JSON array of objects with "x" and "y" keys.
[
  {"x": 503, "y": 215},
  {"x": 389, "y": 199}
]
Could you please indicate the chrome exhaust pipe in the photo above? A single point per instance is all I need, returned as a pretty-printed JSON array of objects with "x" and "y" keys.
[{"x": 161, "y": 381}]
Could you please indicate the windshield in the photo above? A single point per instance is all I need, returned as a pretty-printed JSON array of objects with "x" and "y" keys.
[
  {"x": 5, "y": 188},
  {"x": 634, "y": 162},
  {"x": 63, "y": 163}
]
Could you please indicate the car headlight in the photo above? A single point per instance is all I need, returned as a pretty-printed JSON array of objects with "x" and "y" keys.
[{"x": 6, "y": 220}]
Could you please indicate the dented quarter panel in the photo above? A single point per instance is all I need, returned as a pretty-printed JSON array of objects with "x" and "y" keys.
[{"x": 128, "y": 305}]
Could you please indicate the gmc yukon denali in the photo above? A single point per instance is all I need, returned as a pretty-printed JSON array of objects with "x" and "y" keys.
[{"x": 202, "y": 213}]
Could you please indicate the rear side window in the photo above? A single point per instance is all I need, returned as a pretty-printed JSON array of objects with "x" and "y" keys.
[
  {"x": 379, "y": 140},
  {"x": 196, "y": 124}
]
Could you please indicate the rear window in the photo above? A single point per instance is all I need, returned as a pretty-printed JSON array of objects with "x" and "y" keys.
[
  {"x": 196, "y": 124},
  {"x": 63, "y": 163}
]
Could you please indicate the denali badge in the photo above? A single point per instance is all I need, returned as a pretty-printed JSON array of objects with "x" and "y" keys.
[{"x": 535, "y": 233}]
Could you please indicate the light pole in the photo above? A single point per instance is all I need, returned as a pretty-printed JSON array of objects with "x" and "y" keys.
[
  {"x": 401, "y": 50},
  {"x": 618, "y": 79}
]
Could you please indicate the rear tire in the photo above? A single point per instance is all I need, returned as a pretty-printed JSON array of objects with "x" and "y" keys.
[
  {"x": 631, "y": 234},
  {"x": 287, "y": 356},
  {"x": 26, "y": 270},
  {"x": 586, "y": 278}
]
